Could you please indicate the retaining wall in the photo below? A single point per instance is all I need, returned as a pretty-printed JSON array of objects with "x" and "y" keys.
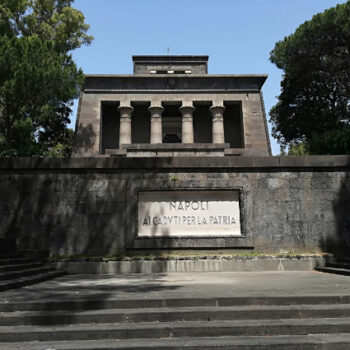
[{"x": 87, "y": 205}]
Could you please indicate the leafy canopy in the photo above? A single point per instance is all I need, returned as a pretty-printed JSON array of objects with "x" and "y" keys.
[
  {"x": 51, "y": 20},
  {"x": 314, "y": 105},
  {"x": 38, "y": 78}
]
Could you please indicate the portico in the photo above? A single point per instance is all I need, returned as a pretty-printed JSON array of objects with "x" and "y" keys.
[{"x": 157, "y": 133}]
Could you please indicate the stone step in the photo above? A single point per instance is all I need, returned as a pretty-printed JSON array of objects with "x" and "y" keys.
[
  {"x": 344, "y": 260},
  {"x": 11, "y": 255},
  {"x": 338, "y": 271},
  {"x": 7, "y": 245},
  {"x": 339, "y": 265},
  {"x": 291, "y": 342},
  {"x": 5, "y": 268},
  {"x": 182, "y": 329},
  {"x": 28, "y": 280},
  {"x": 83, "y": 304},
  {"x": 14, "y": 261},
  {"x": 10, "y": 275},
  {"x": 174, "y": 314}
]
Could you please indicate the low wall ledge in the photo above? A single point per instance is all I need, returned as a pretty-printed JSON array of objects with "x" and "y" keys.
[{"x": 210, "y": 163}]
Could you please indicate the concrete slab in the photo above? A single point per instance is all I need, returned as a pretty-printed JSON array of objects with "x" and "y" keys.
[
  {"x": 194, "y": 265},
  {"x": 183, "y": 285}
]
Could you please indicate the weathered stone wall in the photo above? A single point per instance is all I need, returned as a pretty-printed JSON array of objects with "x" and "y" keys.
[{"x": 87, "y": 206}]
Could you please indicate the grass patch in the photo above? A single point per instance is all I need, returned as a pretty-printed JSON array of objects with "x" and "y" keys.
[{"x": 184, "y": 255}]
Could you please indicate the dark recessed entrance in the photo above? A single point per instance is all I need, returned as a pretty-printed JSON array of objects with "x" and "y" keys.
[
  {"x": 172, "y": 123},
  {"x": 202, "y": 122},
  {"x": 109, "y": 125},
  {"x": 140, "y": 123},
  {"x": 233, "y": 124}
]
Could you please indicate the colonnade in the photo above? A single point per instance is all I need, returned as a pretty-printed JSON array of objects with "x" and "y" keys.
[{"x": 217, "y": 113}]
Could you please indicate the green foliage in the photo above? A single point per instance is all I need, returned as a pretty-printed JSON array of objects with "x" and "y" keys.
[
  {"x": 314, "y": 103},
  {"x": 299, "y": 149},
  {"x": 23, "y": 141},
  {"x": 184, "y": 256},
  {"x": 51, "y": 20},
  {"x": 331, "y": 142},
  {"x": 38, "y": 78},
  {"x": 61, "y": 150}
]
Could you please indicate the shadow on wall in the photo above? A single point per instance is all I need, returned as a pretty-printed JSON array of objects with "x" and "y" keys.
[
  {"x": 339, "y": 243},
  {"x": 153, "y": 246},
  {"x": 27, "y": 221},
  {"x": 69, "y": 212},
  {"x": 90, "y": 218},
  {"x": 85, "y": 138}
]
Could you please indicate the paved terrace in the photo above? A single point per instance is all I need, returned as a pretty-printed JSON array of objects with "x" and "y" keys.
[{"x": 182, "y": 285}]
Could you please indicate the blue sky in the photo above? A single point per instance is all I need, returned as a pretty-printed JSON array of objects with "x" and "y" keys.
[{"x": 237, "y": 35}]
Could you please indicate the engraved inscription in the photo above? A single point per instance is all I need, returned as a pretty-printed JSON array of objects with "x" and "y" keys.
[{"x": 188, "y": 213}]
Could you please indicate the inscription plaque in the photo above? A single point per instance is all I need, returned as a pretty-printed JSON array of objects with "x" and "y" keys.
[{"x": 188, "y": 213}]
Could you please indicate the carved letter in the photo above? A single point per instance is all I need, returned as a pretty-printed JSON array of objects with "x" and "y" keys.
[{"x": 193, "y": 205}]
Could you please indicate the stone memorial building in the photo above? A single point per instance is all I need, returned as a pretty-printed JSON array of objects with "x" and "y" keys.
[
  {"x": 173, "y": 158},
  {"x": 171, "y": 106}
]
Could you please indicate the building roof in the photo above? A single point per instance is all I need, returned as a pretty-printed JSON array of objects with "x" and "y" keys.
[
  {"x": 171, "y": 83},
  {"x": 170, "y": 58}
]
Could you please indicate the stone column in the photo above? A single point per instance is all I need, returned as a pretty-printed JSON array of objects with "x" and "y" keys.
[
  {"x": 156, "y": 123},
  {"x": 218, "y": 124},
  {"x": 125, "y": 125},
  {"x": 187, "y": 123}
]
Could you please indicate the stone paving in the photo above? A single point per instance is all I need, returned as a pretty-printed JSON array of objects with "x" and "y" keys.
[{"x": 182, "y": 285}]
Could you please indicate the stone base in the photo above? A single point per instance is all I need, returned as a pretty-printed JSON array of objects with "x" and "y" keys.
[{"x": 193, "y": 265}]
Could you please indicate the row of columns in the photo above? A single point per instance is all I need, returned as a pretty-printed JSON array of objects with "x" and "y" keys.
[{"x": 156, "y": 124}]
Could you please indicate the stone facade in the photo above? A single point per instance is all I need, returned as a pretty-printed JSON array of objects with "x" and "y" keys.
[
  {"x": 89, "y": 206},
  {"x": 170, "y": 100}
]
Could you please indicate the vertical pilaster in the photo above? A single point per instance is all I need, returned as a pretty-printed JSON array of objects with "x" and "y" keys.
[
  {"x": 187, "y": 124},
  {"x": 125, "y": 125},
  {"x": 218, "y": 123},
  {"x": 156, "y": 123}
]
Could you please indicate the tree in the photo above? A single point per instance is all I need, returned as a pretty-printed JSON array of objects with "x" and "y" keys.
[
  {"x": 38, "y": 78},
  {"x": 314, "y": 105}
]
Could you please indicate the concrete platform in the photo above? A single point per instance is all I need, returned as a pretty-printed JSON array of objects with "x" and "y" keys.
[{"x": 184, "y": 285}]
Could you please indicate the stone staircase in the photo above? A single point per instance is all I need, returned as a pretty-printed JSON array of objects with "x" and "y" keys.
[
  {"x": 17, "y": 271},
  {"x": 276, "y": 322},
  {"x": 340, "y": 266}
]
